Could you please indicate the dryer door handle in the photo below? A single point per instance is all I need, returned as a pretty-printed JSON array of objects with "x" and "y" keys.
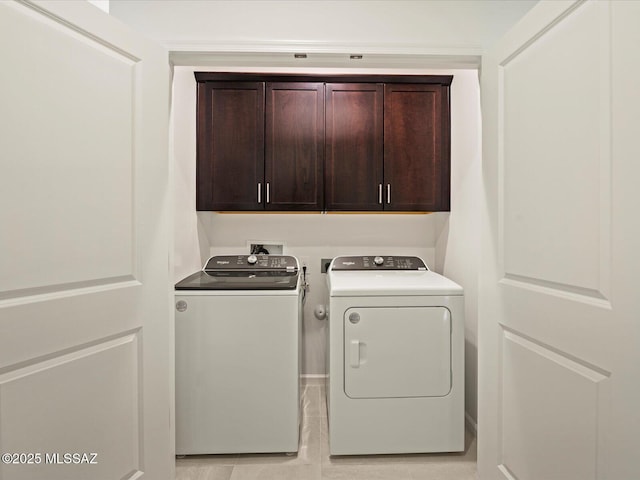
[{"x": 354, "y": 353}]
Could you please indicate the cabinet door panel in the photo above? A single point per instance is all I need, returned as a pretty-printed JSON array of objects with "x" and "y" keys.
[
  {"x": 230, "y": 161},
  {"x": 354, "y": 146},
  {"x": 416, "y": 147},
  {"x": 294, "y": 148}
]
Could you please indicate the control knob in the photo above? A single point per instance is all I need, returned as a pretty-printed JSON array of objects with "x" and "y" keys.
[
  {"x": 252, "y": 259},
  {"x": 378, "y": 261}
]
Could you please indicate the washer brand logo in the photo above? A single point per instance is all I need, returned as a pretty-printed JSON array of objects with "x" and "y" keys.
[
  {"x": 222, "y": 262},
  {"x": 348, "y": 263}
]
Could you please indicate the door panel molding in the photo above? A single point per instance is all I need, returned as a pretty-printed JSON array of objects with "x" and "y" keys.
[
  {"x": 562, "y": 241},
  {"x": 83, "y": 232},
  {"x": 567, "y": 393},
  {"x": 12, "y": 298},
  {"x": 111, "y": 372},
  {"x": 568, "y": 292},
  {"x": 579, "y": 366},
  {"x": 565, "y": 8},
  {"x": 65, "y": 23},
  {"x": 78, "y": 351}
]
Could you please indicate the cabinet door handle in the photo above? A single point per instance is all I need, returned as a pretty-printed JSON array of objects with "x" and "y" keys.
[
  {"x": 268, "y": 192},
  {"x": 260, "y": 192},
  {"x": 380, "y": 193},
  {"x": 388, "y": 193}
]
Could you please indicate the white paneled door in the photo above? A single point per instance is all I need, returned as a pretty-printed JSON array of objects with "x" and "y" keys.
[
  {"x": 559, "y": 388},
  {"x": 85, "y": 353}
]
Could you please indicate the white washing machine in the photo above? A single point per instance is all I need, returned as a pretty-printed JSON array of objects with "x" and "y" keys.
[
  {"x": 237, "y": 329},
  {"x": 395, "y": 358}
]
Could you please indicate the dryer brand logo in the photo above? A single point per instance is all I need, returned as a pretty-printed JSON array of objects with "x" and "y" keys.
[
  {"x": 348, "y": 263},
  {"x": 222, "y": 262}
]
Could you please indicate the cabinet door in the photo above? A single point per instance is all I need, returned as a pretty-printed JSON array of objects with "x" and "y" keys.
[
  {"x": 230, "y": 165},
  {"x": 294, "y": 149},
  {"x": 354, "y": 146},
  {"x": 416, "y": 147}
]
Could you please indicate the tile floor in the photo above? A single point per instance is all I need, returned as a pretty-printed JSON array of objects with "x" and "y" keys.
[{"x": 313, "y": 461}]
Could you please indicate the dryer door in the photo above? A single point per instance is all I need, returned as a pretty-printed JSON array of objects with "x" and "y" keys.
[{"x": 392, "y": 352}]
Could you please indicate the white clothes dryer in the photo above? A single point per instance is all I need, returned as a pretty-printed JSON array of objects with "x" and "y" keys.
[
  {"x": 238, "y": 327},
  {"x": 395, "y": 358}
]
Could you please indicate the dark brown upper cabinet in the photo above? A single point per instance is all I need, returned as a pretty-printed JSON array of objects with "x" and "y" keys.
[
  {"x": 416, "y": 147},
  {"x": 230, "y": 151},
  {"x": 403, "y": 166},
  {"x": 294, "y": 148},
  {"x": 334, "y": 142},
  {"x": 353, "y": 173}
]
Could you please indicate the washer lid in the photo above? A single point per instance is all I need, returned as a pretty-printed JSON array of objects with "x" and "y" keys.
[
  {"x": 390, "y": 283},
  {"x": 255, "y": 281}
]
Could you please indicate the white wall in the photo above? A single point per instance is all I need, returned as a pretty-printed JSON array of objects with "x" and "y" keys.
[
  {"x": 438, "y": 26},
  {"x": 458, "y": 242}
]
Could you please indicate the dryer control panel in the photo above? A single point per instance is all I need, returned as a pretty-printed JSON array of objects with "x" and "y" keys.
[{"x": 378, "y": 263}]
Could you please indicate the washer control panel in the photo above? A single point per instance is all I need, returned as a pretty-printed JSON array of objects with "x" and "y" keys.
[
  {"x": 378, "y": 263},
  {"x": 275, "y": 263}
]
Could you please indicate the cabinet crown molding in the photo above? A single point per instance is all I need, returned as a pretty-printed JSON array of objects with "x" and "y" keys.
[{"x": 202, "y": 77}]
